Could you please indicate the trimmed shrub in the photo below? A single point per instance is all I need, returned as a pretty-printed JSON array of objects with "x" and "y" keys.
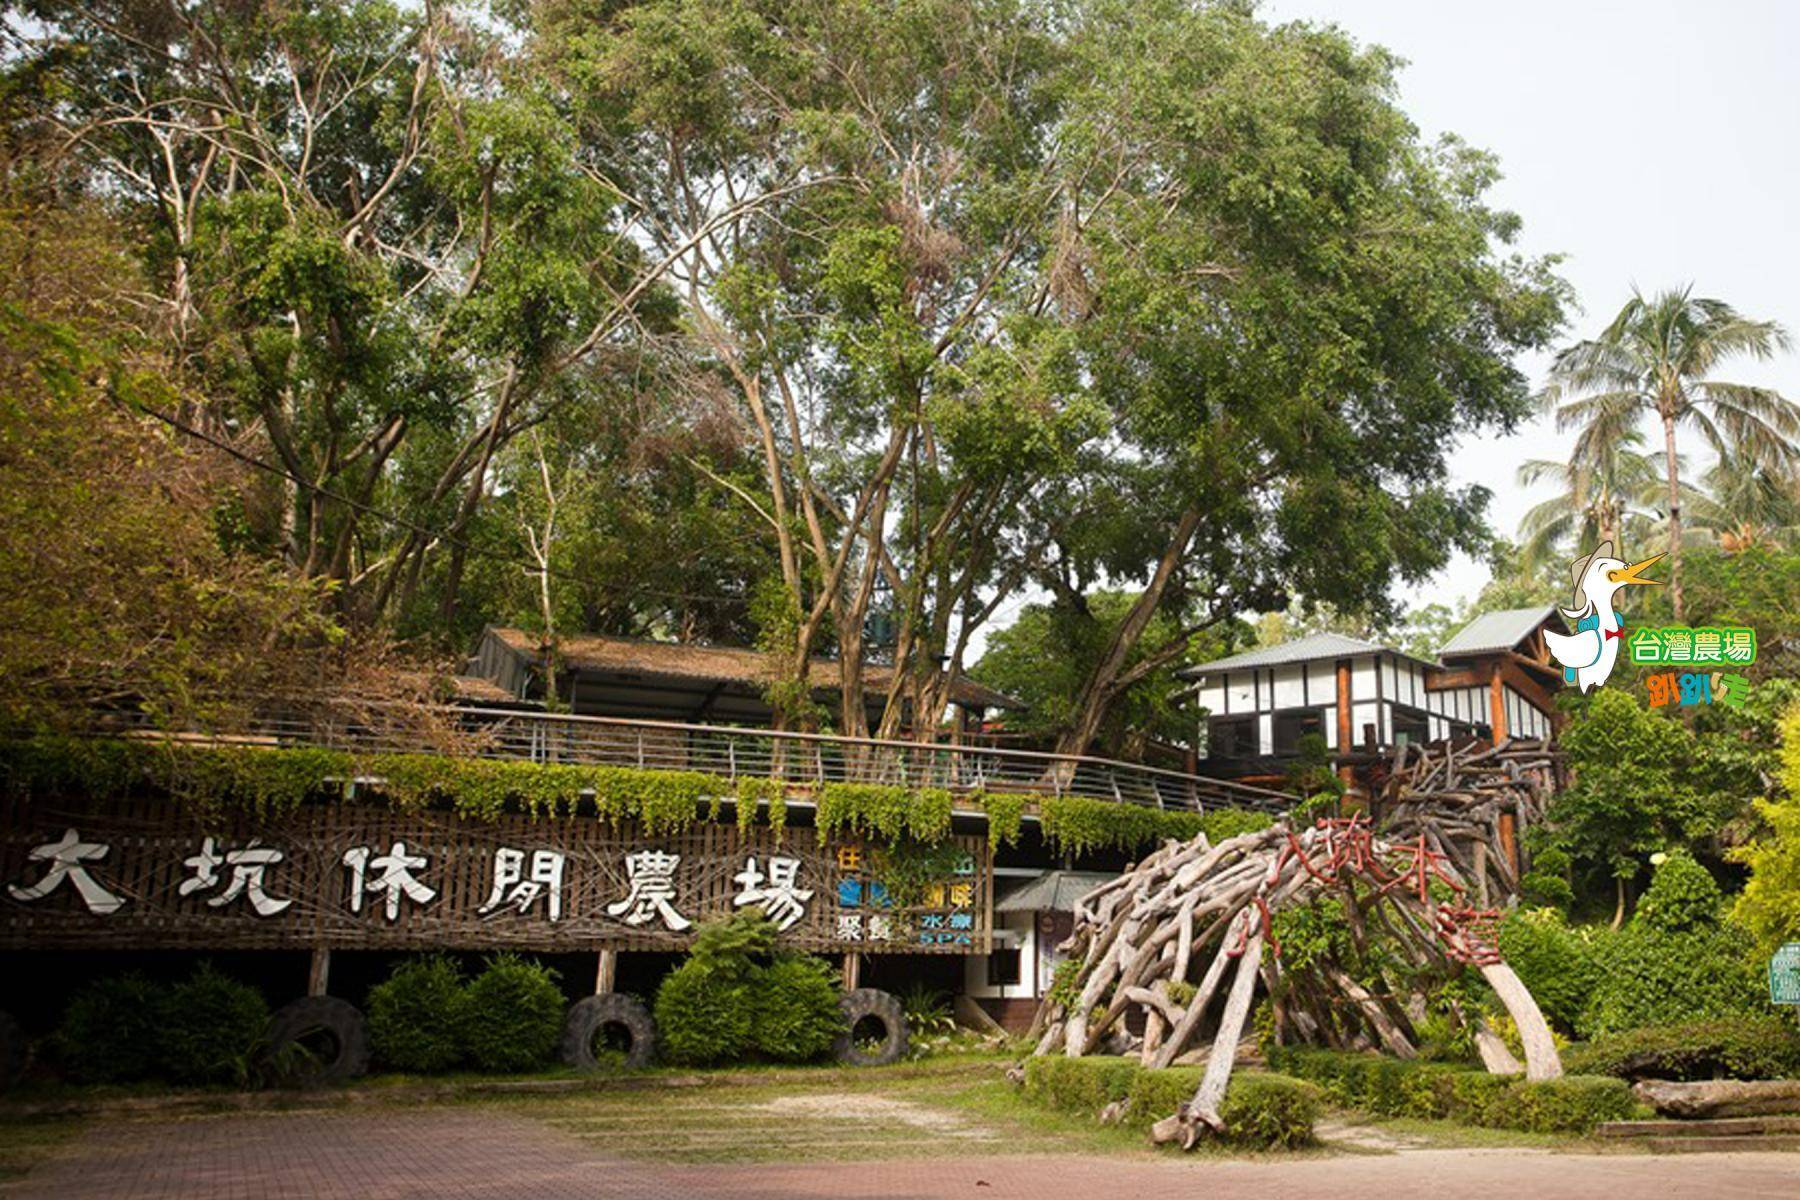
[
  {"x": 1079, "y": 1084},
  {"x": 414, "y": 1015},
  {"x": 1398, "y": 1087},
  {"x": 702, "y": 1016},
  {"x": 1742, "y": 1048},
  {"x": 112, "y": 1030},
  {"x": 1572, "y": 1104},
  {"x": 1559, "y": 965},
  {"x": 794, "y": 1013},
  {"x": 1260, "y": 1109},
  {"x": 1652, "y": 977},
  {"x": 510, "y": 1016},
  {"x": 1269, "y": 1110},
  {"x": 212, "y": 1029},
  {"x": 1682, "y": 896}
]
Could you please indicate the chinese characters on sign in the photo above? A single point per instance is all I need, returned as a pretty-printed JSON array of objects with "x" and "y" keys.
[
  {"x": 1694, "y": 687},
  {"x": 652, "y": 874},
  {"x": 247, "y": 868},
  {"x": 359, "y": 877},
  {"x": 1677, "y": 645},
  {"x": 67, "y": 857}
]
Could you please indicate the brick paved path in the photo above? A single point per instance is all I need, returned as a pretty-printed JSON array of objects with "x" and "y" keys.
[{"x": 453, "y": 1153}]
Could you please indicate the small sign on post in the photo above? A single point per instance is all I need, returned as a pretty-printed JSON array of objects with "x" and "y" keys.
[{"x": 1784, "y": 975}]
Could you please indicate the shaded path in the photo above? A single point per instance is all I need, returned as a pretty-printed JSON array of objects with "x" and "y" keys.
[{"x": 373, "y": 1155}]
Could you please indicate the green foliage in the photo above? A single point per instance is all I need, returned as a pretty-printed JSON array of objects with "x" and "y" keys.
[
  {"x": 1078, "y": 824},
  {"x": 1398, "y": 1087},
  {"x": 1046, "y": 654},
  {"x": 269, "y": 782},
  {"x": 1683, "y": 896},
  {"x": 112, "y": 1030},
  {"x": 213, "y": 1028},
  {"x": 928, "y": 1011},
  {"x": 1005, "y": 817},
  {"x": 888, "y": 813},
  {"x": 1560, "y": 966},
  {"x": 908, "y": 867},
  {"x": 794, "y": 1013},
  {"x": 705, "y": 1007},
  {"x": 1546, "y": 884},
  {"x": 509, "y": 1017},
  {"x": 414, "y": 1015},
  {"x": 1260, "y": 1109},
  {"x": 701, "y": 1016},
  {"x": 1632, "y": 792},
  {"x": 1649, "y": 977},
  {"x": 1770, "y": 904},
  {"x": 1737, "y": 1048}
]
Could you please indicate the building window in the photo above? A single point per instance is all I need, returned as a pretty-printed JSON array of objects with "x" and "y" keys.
[
  {"x": 1291, "y": 726},
  {"x": 1003, "y": 968},
  {"x": 1231, "y": 737},
  {"x": 1410, "y": 727}
]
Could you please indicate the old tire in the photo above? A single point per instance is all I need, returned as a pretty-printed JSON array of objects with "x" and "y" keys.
[
  {"x": 590, "y": 1018},
  {"x": 318, "y": 1040},
  {"x": 866, "y": 1006},
  {"x": 13, "y": 1051}
]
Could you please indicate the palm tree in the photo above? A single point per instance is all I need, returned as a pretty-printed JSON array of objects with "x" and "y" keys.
[
  {"x": 1745, "y": 505},
  {"x": 1607, "y": 487},
  {"x": 1656, "y": 358}
]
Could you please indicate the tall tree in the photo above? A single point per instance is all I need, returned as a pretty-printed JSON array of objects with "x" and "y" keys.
[
  {"x": 1290, "y": 307},
  {"x": 1656, "y": 358},
  {"x": 1604, "y": 489}
]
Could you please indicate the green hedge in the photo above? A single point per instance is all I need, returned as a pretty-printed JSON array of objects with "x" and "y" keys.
[
  {"x": 413, "y": 1015},
  {"x": 208, "y": 1028},
  {"x": 1408, "y": 1088},
  {"x": 1260, "y": 1109},
  {"x": 1741, "y": 1048},
  {"x": 1077, "y": 824}
]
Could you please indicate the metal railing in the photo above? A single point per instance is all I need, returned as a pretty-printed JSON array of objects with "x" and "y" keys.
[{"x": 801, "y": 759}]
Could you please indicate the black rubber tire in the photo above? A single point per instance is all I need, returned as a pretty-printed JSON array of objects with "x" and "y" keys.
[
  {"x": 341, "y": 1019},
  {"x": 14, "y": 1051},
  {"x": 860, "y": 1005},
  {"x": 589, "y": 1016}
]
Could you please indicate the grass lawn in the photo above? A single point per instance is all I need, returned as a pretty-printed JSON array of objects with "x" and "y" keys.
[
  {"x": 25, "y": 1143},
  {"x": 952, "y": 1106}
]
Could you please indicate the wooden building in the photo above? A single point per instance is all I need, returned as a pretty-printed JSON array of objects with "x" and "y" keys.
[
  {"x": 668, "y": 681},
  {"x": 1493, "y": 679}
]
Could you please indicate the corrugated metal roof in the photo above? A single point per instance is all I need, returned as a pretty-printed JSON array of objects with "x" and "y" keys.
[
  {"x": 1307, "y": 649},
  {"x": 1492, "y": 632},
  {"x": 1053, "y": 891}
]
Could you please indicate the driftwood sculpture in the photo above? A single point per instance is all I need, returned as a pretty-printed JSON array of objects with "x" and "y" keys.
[
  {"x": 1473, "y": 806},
  {"x": 1199, "y": 909}
]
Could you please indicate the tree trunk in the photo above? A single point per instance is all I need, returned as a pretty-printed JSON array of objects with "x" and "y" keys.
[
  {"x": 1721, "y": 1097},
  {"x": 1541, "y": 1058},
  {"x": 1674, "y": 473},
  {"x": 1098, "y": 693}
]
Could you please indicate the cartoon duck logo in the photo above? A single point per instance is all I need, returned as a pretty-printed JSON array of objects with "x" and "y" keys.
[{"x": 1587, "y": 655}]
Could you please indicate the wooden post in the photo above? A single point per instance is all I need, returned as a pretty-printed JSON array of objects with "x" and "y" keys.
[
  {"x": 606, "y": 974},
  {"x": 1497, "y": 705},
  {"x": 852, "y": 970},
  {"x": 318, "y": 974},
  {"x": 1509, "y": 841},
  {"x": 1343, "y": 707}
]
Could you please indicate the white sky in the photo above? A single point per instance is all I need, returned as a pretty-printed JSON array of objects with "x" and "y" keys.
[{"x": 1651, "y": 143}]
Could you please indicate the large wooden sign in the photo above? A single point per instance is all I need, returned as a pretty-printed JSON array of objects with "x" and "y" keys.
[{"x": 142, "y": 874}]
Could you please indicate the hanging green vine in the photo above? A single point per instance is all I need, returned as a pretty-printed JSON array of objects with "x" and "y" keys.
[
  {"x": 888, "y": 813},
  {"x": 1077, "y": 824},
  {"x": 1005, "y": 816},
  {"x": 270, "y": 781},
  {"x": 754, "y": 792}
]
